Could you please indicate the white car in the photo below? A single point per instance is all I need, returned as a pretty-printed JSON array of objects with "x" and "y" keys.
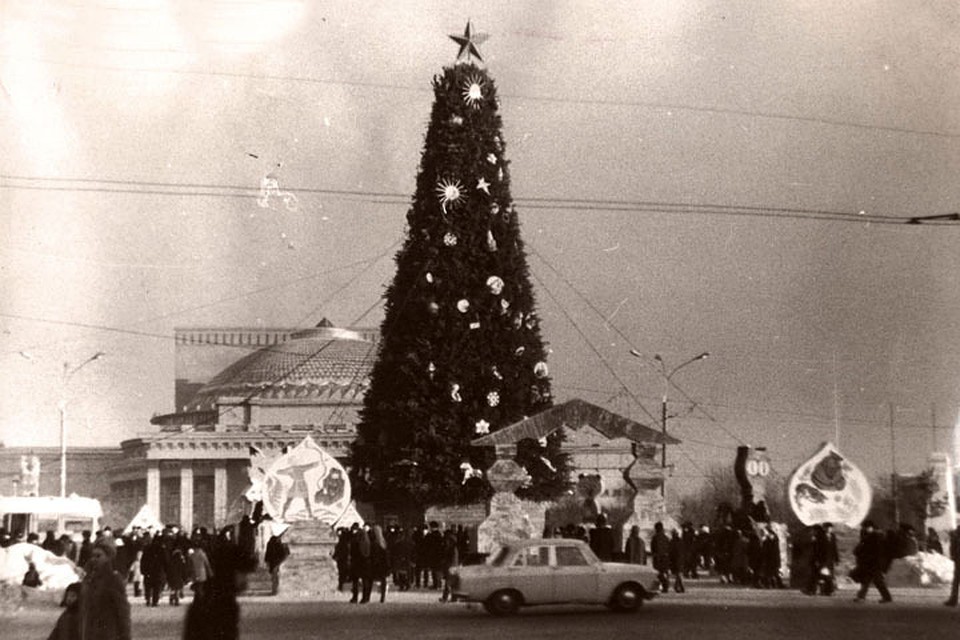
[{"x": 552, "y": 571}]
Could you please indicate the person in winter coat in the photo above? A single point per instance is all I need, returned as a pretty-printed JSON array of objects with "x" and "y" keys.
[
  {"x": 379, "y": 563},
  {"x": 660, "y": 552},
  {"x": 601, "y": 539},
  {"x": 677, "y": 551},
  {"x": 104, "y": 609},
  {"x": 360, "y": 564},
  {"x": 216, "y": 615},
  {"x": 68, "y": 624},
  {"x": 176, "y": 572},
  {"x": 635, "y": 550},
  {"x": 153, "y": 566},
  {"x": 872, "y": 561},
  {"x": 341, "y": 556},
  {"x": 451, "y": 558},
  {"x": 276, "y": 553},
  {"x": 401, "y": 559}
]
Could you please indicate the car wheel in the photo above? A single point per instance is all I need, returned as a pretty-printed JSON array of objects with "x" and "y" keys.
[
  {"x": 502, "y": 603},
  {"x": 628, "y": 597}
]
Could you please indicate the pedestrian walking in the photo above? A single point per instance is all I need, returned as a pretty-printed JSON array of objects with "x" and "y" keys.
[
  {"x": 872, "y": 561},
  {"x": 379, "y": 562},
  {"x": 176, "y": 573},
  {"x": 68, "y": 624},
  {"x": 360, "y": 564},
  {"x": 635, "y": 550},
  {"x": 276, "y": 553},
  {"x": 104, "y": 609},
  {"x": 660, "y": 552},
  {"x": 677, "y": 553},
  {"x": 153, "y": 566},
  {"x": 601, "y": 539}
]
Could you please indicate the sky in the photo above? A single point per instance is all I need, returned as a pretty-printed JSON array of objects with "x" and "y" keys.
[{"x": 691, "y": 176}]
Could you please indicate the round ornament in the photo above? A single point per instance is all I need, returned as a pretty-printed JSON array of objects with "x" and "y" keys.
[
  {"x": 540, "y": 369},
  {"x": 494, "y": 209},
  {"x": 456, "y": 120},
  {"x": 495, "y": 284},
  {"x": 463, "y": 305},
  {"x": 429, "y": 277},
  {"x": 433, "y": 308}
]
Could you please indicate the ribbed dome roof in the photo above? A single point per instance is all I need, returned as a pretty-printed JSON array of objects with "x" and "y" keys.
[{"x": 322, "y": 361}]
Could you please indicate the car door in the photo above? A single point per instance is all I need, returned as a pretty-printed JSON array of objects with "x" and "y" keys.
[
  {"x": 531, "y": 574},
  {"x": 575, "y": 575}
]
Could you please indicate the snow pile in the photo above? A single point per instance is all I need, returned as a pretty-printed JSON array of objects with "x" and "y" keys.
[
  {"x": 55, "y": 572},
  {"x": 923, "y": 569}
]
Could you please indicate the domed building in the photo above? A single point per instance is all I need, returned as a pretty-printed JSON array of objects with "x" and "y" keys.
[{"x": 194, "y": 470}]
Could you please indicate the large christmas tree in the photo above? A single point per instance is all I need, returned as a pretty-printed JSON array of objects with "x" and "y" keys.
[{"x": 461, "y": 352}]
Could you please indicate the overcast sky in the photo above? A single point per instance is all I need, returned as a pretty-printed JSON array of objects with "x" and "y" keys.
[{"x": 768, "y": 155}]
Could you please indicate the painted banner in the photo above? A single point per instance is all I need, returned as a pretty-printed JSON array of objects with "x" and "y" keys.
[
  {"x": 305, "y": 483},
  {"x": 829, "y": 488}
]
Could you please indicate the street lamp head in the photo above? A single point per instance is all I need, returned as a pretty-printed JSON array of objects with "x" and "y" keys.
[
  {"x": 703, "y": 355},
  {"x": 657, "y": 357},
  {"x": 636, "y": 353}
]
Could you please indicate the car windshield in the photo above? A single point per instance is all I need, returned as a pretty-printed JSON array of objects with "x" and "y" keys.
[{"x": 498, "y": 558}]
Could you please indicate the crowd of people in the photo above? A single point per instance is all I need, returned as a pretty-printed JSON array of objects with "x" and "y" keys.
[{"x": 420, "y": 558}]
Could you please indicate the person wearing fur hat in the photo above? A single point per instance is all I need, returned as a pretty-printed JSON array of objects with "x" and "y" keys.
[{"x": 104, "y": 609}]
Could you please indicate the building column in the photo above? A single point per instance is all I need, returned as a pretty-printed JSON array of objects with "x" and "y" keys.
[
  {"x": 220, "y": 494},
  {"x": 153, "y": 487},
  {"x": 186, "y": 496}
]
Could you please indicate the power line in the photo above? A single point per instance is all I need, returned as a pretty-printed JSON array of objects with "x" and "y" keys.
[
  {"x": 132, "y": 187},
  {"x": 643, "y": 104}
]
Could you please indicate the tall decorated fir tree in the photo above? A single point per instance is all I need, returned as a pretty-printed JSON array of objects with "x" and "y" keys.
[{"x": 461, "y": 352}]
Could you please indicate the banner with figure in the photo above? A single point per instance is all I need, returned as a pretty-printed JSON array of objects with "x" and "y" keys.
[
  {"x": 305, "y": 483},
  {"x": 829, "y": 488}
]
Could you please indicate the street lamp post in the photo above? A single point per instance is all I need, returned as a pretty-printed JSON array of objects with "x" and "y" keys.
[
  {"x": 68, "y": 373},
  {"x": 663, "y": 403}
]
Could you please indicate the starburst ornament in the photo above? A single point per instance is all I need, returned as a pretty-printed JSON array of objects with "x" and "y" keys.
[
  {"x": 482, "y": 427},
  {"x": 473, "y": 91},
  {"x": 469, "y": 42},
  {"x": 449, "y": 192},
  {"x": 483, "y": 185}
]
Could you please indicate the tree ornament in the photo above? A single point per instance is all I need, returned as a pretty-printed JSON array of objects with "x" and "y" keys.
[
  {"x": 496, "y": 373},
  {"x": 469, "y": 42},
  {"x": 519, "y": 351},
  {"x": 491, "y": 241},
  {"x": 483, "y": 185},
  {"x": 495, "y": 284},
  {"x": 492, "y": 158},
  {"x": 517, "y": 320},
  {"x": 469, "y": 471},
  {"x": 500, "y": 174},
  {"x": 482, "y": 427},
  {"x": 455, "y": 393},
  {"x": 433, "y": 308},
  {"x": 494, "y": 209},
  {"x": 456, "y": 120},
  {"x": 463, "y": 305},
  {"x": 429, "y": 277},
  {"x": 540, "y": 369},
  {"x": 531, "y": 321},
  {"x": 504, "y": 305},
  {"x": 449, "y": 192},
  {"x": 493, "y": 398},
  {"x": 450, "y": 239},
  {"x": 431, "y": 369},
  {"x": 473, "y": 91},
  {"x": 542, "y": 441},
  {"x": 475, "y": 325}
]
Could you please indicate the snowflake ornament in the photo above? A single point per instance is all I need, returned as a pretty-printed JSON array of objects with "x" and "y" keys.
[
  {"x": 450, "y": 239},
  {"x": 449, "y": 192},
  {"x": 482, "y": 427},
  {"x": 493, "y": 398}
]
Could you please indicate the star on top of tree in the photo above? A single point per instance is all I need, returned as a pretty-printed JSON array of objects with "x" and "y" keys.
[{"x": 468, "y": 43}]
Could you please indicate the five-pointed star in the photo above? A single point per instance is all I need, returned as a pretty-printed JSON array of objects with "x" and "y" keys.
[
  {"x": 482, "y": 427},
  {"x": 468, "y": 43},
  {"x": 483, "y": 185}
]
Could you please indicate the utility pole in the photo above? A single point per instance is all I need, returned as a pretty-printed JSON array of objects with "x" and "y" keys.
[{"x": 893, "y": 476}]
